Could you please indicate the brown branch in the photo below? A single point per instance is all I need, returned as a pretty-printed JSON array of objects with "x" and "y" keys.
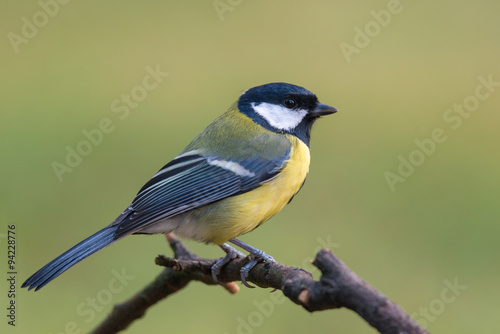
[{"x": 338, "y": 287}]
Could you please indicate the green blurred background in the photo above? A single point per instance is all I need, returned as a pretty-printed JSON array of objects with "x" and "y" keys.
[{"x": 440, "y": 225}]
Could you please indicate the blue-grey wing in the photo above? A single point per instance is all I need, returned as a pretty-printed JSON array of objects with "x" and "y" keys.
[{"x": 191, "y": 181}]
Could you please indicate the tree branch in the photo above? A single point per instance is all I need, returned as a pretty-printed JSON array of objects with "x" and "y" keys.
[{"x": 338, "y": 287}]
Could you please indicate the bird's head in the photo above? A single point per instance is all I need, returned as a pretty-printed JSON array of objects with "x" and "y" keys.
[{"x": 283, "y": 108}]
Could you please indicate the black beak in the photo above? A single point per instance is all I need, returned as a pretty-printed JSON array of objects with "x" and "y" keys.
[{"x": 322, "y": 110}]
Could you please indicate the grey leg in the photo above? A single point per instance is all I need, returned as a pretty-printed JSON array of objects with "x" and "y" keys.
[
  {"x": 231, "y": 254},
  {"x": 257, "y": 255}
]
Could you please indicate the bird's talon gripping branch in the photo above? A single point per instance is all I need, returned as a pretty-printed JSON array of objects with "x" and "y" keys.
[
  {"x": 231, "y": 254},
  {"x": 257, "y": 256},
  {"x": 245, "y": 270},
  {"x": 261, "y": 256}
]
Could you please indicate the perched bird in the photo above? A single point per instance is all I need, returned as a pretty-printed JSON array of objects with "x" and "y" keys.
[{"x": 236, "y": 174}]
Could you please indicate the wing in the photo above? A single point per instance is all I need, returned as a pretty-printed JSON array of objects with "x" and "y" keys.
[{"x": 193, "y": 180}]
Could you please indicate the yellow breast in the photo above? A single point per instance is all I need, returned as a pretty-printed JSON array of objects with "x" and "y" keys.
[{"x": 237, "y": 215}]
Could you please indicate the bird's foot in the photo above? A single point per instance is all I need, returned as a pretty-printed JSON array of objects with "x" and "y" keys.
[
  {"x": 231, "y": 254},
  {"x": 256, "y": 255},
  {"x": 245, "y": 270}
]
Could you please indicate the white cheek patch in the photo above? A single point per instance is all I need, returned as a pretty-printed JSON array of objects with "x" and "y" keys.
[{"x": 278, "y": 116}]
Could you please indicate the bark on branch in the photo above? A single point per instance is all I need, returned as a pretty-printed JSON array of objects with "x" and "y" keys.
[{"x": 338, "y": 287}]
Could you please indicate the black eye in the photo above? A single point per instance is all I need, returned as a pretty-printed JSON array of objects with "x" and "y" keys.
[{"x": 289, "y": 103}]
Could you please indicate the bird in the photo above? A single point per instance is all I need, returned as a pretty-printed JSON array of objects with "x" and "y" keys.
[{"x": 241, "y": 170}]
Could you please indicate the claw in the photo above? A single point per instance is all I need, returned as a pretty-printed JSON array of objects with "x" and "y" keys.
[
  {"x": 231, "y": 254},
  {"x": 245, "y": 270},
  {"x": 257, "y": 254}
]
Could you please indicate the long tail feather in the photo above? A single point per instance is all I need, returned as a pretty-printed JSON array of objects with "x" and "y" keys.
[{"x": 68, "y": 259}]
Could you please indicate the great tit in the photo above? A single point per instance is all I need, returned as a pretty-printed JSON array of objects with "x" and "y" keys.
[{"x": 235, "y": 175}]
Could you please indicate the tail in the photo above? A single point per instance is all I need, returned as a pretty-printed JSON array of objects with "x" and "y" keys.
[{"x": 68, "y": 259}]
